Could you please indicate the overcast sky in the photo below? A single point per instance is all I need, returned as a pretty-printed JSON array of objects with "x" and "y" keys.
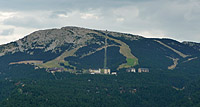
[{"x": 176, "y": 19}]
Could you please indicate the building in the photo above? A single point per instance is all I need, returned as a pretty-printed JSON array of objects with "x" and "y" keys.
[
  {"x": 106, "y": 71},
  {"x": 52, "y": 70},
  {"x": 130, "y": 70},
  {"x": 114, "y": 73},
  {"x": 143, "y": 70},
  {"x": 100, "y": 71},
  {"x": 93, "y": 71}
]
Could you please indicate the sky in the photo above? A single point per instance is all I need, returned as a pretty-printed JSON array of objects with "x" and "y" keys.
[{"x": 176, "y": 19}]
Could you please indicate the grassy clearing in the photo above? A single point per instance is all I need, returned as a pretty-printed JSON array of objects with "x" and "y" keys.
[
  {"x": 176, "y": 51},
  {"x": 131, "y": 60},
  {"x": 175, "y": 61},
  {"x": 56, "y": 62}
]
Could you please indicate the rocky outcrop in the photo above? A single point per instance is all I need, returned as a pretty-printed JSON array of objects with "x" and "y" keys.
[{"x": 52, "y": 39}]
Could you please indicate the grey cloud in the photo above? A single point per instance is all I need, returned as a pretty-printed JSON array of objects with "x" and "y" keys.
[
  {"x": 7, "y": 32},
  {"x": 26, "y": 5},
  {"x": 30, "y": 22},
  {"x": 175, "y": 18},
  {"x": 55, "y": 14},
  {"x": 23, "y": 22},
  {"x": 170, "y": 18}
]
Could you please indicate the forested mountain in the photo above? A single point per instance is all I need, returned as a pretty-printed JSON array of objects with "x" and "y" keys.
[{"x": 25, "y": 80}]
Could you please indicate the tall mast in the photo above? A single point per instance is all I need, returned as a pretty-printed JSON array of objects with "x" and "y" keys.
[{"x": 105, "y": 56}]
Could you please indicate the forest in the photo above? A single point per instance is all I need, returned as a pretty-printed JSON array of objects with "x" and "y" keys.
[{"x": 23, "y": 86}]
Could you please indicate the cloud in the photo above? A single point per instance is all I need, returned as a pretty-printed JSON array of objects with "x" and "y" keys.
[
  {"x": 34, "y": 19},
  {"x": 58, "y": 14},
  {"x": 88, "y": 16},
  {"x": 6, "y": 15},
  {"x": 126, "y": 12},
  {"x": 177, "y": 19},
  {"x": 120, "y": 19},
  {"x": 29, "y": 5},
  {"x": 7, "y": 32},
  {"x": 23, "y": 22},
  {"x": 49, "y": 19}
]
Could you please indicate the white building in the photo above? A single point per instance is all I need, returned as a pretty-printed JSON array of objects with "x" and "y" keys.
[
  {"x": 130, "y": 70},
  {"x": 114, "y": 73},
  {"x": 143, "y": 70},
  {"x": 106, "y": 71},
  {"x": 93, "y": 71},
  {"x": 100, "y": 71}
]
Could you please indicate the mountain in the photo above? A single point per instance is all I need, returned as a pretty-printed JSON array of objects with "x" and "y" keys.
[
  {"x": 59, "y": 45},
  {"x": 24, "y": 63},
  {"x": 80, "y": 48}
]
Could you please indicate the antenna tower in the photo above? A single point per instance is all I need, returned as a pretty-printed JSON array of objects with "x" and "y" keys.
[{"x": 105, "y": 56}]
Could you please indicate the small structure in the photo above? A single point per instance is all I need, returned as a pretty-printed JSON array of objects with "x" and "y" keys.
[
  {"x": 130, "y": 70},
  {"x": 143, "y": 70},
  {"x": 114, "y": 73},
  {"x": 106, "y": 71},
  {"x": 36, "y": 67},
  {"x": 93, "y": 71},
  {"x": 53, "y": 70},
  {"x": 99, "y": 71}
]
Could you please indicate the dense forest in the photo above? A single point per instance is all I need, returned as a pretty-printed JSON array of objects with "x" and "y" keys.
[{"x": 25, "y": 86}]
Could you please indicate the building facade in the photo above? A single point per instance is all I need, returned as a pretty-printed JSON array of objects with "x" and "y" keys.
[
  {"x": 130, "y": 70},
  {"x": 143, "y": 70}
]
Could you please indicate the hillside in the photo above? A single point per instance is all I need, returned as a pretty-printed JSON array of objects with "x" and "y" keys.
[
  {"x": 79, "y": 48},
  {"x": 174, "y": 70},
  {"x": 67, "y": 42}
]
